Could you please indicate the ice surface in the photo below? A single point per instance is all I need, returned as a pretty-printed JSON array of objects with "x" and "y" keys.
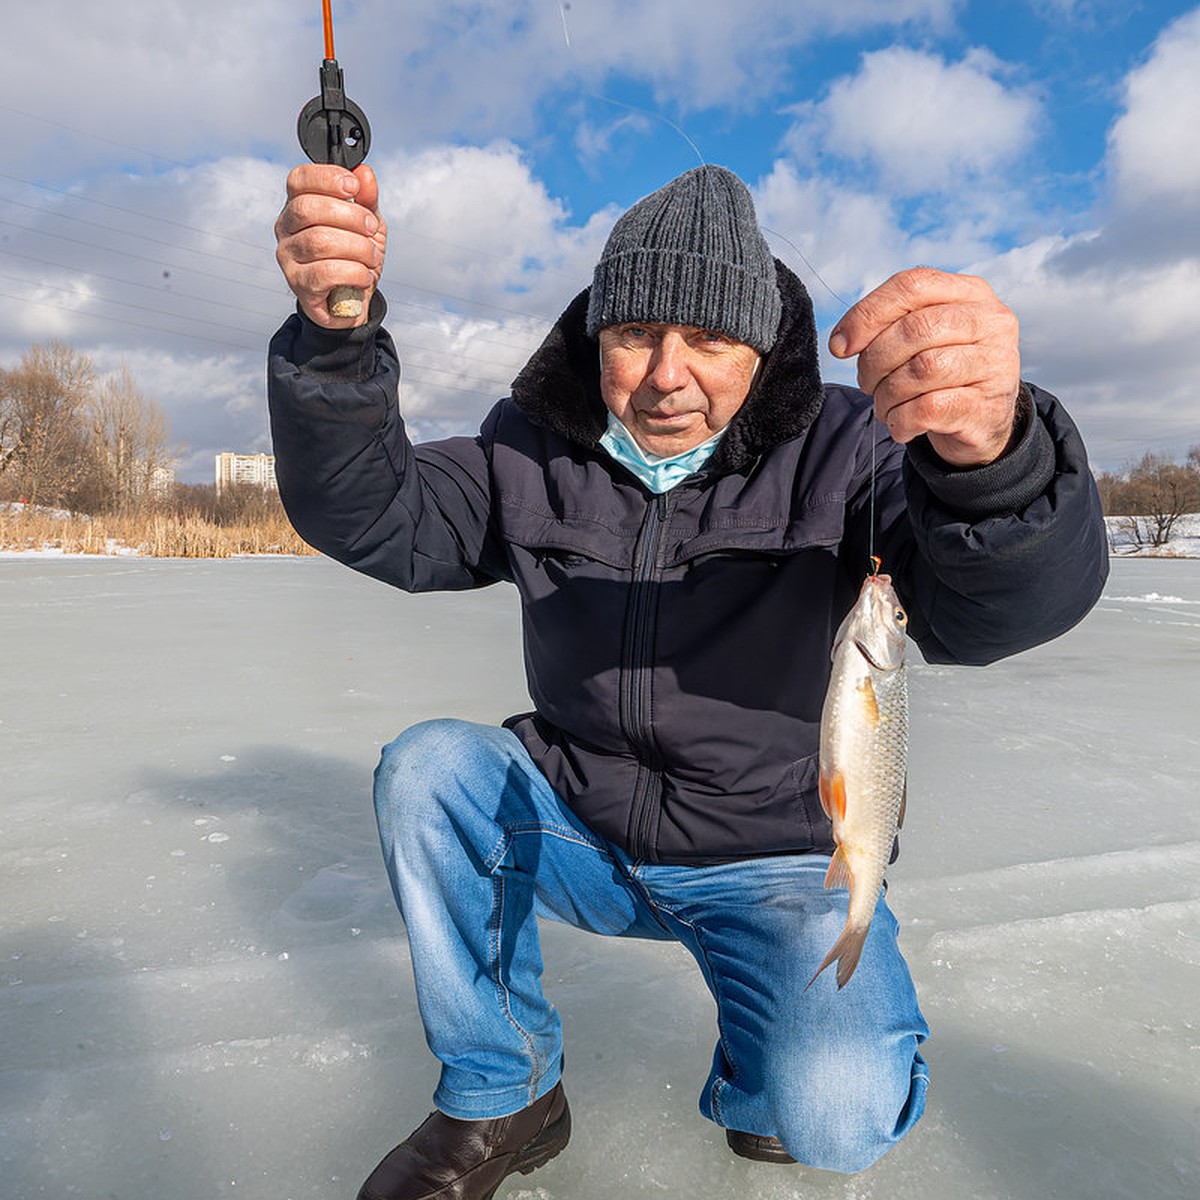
[{"x": 204, "y": 988}]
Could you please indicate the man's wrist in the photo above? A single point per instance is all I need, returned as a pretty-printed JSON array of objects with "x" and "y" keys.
[
  {"x": 346, "y": 353},
  {"x": 1008, "y": 483}
]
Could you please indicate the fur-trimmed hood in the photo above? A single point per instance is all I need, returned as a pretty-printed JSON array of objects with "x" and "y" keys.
[{"x": 560, "y": 385}]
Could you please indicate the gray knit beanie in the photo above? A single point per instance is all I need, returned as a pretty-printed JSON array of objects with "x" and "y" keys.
[{"x": 690, "y": 254}]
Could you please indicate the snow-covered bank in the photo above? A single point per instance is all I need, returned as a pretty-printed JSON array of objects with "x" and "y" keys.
[
  {"x": 1183, "y": 543},
  {"x": 205, "y": 987}
]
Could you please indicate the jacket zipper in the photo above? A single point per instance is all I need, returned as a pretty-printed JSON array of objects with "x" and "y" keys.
[{"x": 637, "y": 675}]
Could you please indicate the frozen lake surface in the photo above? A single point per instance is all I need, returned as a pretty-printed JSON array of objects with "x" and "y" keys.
[{"x": 204, "y": 986}]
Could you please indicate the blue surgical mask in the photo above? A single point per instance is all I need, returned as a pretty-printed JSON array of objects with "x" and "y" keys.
[{"x": 657, "y": 473}]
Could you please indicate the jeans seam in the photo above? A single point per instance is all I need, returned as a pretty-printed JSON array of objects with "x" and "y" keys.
[
  {"x": 718, "y": 1087},
  {"x": 502, "y": 992},
  {"x": 563, "y": 832},
  {"x": 726, "y": 1048},
  {"x": 714, "y": 983}
]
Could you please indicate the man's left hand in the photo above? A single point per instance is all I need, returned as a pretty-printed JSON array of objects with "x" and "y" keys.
[{"x": 939, "y": 354}]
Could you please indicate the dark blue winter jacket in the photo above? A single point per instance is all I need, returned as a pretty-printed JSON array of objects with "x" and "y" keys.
[{"x": 677, "y": 646}]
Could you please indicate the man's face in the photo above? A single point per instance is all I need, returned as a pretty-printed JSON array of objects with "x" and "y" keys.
[{"x": 673, "y": 386}]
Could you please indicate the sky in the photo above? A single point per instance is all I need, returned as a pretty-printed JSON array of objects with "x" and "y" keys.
[{"x": 1047, "y": 145}]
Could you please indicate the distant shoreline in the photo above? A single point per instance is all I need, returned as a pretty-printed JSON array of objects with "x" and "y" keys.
[{"x": 51, "y": 533}]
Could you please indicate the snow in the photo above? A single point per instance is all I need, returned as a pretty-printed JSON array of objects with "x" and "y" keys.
[
  {"x": 1183, "y": 543},
  {"x": 204, "y": 987}
]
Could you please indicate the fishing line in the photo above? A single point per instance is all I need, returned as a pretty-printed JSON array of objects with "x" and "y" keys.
[
  {"x": 872, "y": 557},
  {"x": 875, "y": 562},
  {"x": 808, "y": 263},
  {"x": 633, "y": 108}
]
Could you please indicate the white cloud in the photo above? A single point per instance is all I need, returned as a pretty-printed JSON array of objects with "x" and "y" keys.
[
  {"x": 474, "y": 223},
  {"x": 1118, "y": 309},
  {"x": 849, "y": 239},
  {"x": 1152, "y": 147},
  {"x": 1117, "y": 347},
  {"x": 923, "y": 125}
]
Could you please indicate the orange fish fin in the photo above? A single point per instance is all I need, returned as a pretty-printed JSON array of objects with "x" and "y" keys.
[
  {"x": 903, "y": 805},
  {"x": 832, "y": 790},
  {"x": 866, "y": 689},
  {"x": 838, "y": 874},
  {"x": 846, "y": 952}
]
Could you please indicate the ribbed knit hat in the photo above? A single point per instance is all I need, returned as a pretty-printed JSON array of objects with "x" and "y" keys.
[{"x": 690, "y": 254}]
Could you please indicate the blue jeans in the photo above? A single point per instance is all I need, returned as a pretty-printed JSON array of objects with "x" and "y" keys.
[{"x": 478, "y": 846}]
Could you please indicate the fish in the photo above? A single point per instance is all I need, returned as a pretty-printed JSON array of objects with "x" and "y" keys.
[{"x": 864, "y": 758}]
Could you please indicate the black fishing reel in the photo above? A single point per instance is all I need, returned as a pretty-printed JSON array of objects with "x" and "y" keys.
[{"x": 331, "y": 127}]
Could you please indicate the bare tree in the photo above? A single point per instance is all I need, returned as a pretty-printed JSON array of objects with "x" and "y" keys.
[
  {"x": 10, "y": 425},
  {"x": 42, "y": 429},
  {"x": 1158, "y": 492},
  {"x": 129, "y": 451}
]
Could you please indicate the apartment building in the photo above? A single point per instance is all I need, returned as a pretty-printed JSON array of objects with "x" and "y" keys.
[{"x": 255, "y": 469}]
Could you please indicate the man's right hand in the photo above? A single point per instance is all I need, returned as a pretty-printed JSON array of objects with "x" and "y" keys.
[{"x": 330, "y": 233}]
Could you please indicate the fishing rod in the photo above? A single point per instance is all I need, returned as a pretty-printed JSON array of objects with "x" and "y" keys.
[{"x": 333, "y": 129}]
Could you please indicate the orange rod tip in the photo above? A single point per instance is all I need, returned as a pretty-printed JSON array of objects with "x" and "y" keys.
[{"x": 327, "y": 14}]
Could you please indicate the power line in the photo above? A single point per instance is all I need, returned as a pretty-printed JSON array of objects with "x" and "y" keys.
[
  {"x": 84, "y": 278},
  {"x": 141, "y": 237},
  {"x": 415, "y": 374},
  {"x": 477, "y": 251},
  {"x": 125, "y": 304},
  {"x": 25, "y": 301},
  {"x": 131, "y": 212},
  {"x": 153, "y": 155},
  {"x": 158, "y": 262},
  {"x": 224, "y": 304}
]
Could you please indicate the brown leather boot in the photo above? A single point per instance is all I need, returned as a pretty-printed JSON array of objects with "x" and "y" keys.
[
  {"x": 468, "y": 1160},
  {"x": 757, "y": 1146}
]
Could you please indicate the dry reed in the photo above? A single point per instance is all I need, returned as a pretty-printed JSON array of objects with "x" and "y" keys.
[{"x": 158, "y": 535}]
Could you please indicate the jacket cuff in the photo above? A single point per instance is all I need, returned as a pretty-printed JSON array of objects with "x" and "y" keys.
[
  {"x": 1011, "y": 483},
  {"x": 341, "y": 353}
]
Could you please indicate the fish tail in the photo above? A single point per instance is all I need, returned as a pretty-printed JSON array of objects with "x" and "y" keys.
[{"x": 846, "y": 952}]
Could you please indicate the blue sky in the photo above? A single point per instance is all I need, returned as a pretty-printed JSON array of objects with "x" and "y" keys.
[{"x": 1048, "y": 145}]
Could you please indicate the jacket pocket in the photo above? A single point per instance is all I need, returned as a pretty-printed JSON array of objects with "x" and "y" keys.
[
  {"x": 540, "y": 533},
  {"x": 816, "y": 525},
  {"x": 813, "y": 824}
]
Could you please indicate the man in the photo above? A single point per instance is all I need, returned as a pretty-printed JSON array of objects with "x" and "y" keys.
[{"x": 687, "y": 514}]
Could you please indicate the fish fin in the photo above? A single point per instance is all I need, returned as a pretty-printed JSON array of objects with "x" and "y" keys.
[
  {"x": 846, "y": 952},
  {"x": 866, "y": 689},
  {"x": 832, "y": 790},
  {"x": 839, "y": 874},
  {"x": 903, "y": 805}
]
